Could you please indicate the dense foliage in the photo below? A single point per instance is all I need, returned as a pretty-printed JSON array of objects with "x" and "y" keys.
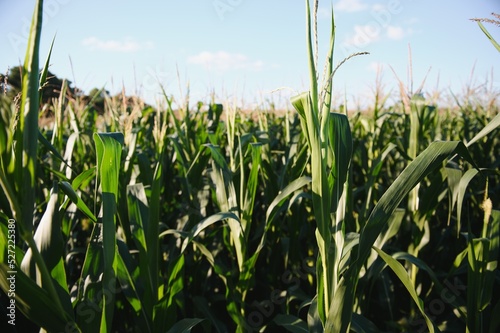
[{"x": 156, "y": 219}]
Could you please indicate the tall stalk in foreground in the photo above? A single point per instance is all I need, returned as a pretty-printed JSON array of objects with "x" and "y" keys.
[
  {"x": 330, "y": 147},
  {"x": 39, "y": 294},
  {"x": 342, "y": 256}
]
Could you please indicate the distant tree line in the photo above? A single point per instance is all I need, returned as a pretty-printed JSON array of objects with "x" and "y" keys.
[{"x": 11, "y": 86}]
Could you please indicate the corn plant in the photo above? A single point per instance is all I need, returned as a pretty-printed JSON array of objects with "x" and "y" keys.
[
  {"x": 198, "y": 216},
  {"x": 486, "y": 32},
  {"x": 39, "y": 276},
  {"x": 342, "y": 256}
]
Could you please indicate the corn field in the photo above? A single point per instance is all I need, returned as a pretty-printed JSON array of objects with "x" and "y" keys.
[{"x": 199, "y": 217}]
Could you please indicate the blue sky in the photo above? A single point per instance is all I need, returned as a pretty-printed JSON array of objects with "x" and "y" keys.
[{"x": 246, "y": 49}]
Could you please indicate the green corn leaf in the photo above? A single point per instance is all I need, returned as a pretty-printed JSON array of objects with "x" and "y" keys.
[
  {"x": 391, "y": 230},
  {"x": 27, "y": 132},
  {"x": 69, "y": 150},
  {"x": 493, "y": 234},
  {"x": 48, "y": 239},
  {"x": 81, "y": 180},
  {"x": 313, "y": 78},
  {"x": 58, "y": 130},
  {"x": 314, "y": 322},
  {"x": 180, "y": 151},
  {"x": 403, "y": 276},
  {"x": 185, "y": 325},
  {"x": 339, "y": 317},
  {"x": 321, "y": 194},
  {"x": 276, "y": 205},
  {"x": 341, "y": 144},
  {"x": 51, "y": 148},
  {"x": 224, "y": 187},
  {"x": 459, "y": 259},
  {"x": 228, "y": 201},
  {"x": 59, "y": 275},
  {"x": 145, "y": 171},
  {"x": 453, "y": 176},
  {"x": 291, "y": 323},
  {"x": 208, "y": 255},
  {"x": 326, "y": 191},
  {"x": 462, "y": 188},
  {"x": 45, "y": 70},
  {"x": 422, "y": 165},
  {"x": 478, "y": 256},
  {"x": 392, "y": 227},
  {"x": 452, "y": 297},
  {"x": 165, "y": 311},
  {"x": 251, "y": 188},
  {"x": 492, "y": 125},
  {"x": 36, "y": 303},
  {"x": 377, "y": 164},
  {"x": 89, "y": 302},
  {"x": 490, "y": 37},
  {"x": 326, "y": 92},
  {"x": 9, "y": 190},
  {"x": 426, "y": 162},
  {"x": 417, "y": 104},
  {"x": 177, "y": 233},
  {"x": 128, "y": 285},
  {"x": 458, "y": 185},
  {"x": 123, "y": 262},
  {"x": 206, "y": 223},
  {"x": 75, "y": 198},
  {"x": 219, "y": 160},
  {"x": 138, "y": 211},
  {"x": 108, "y": 150},
  {"x": 5, "y": 139},
  {"x": 350, "y": 242},
  {"x": 45, "y": 255},
  {"x": 84, "y": 178}
]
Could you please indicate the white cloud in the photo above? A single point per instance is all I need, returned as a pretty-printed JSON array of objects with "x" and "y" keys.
[
  {"x": 364, "y": 35},
  {"x": 350, "y": 6},
  {"x": 367, "y": 34},
  {"x": 224, "y": 61},
  {"x": 125, "y": 45},
  {"x": 394, "y": 32}
]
